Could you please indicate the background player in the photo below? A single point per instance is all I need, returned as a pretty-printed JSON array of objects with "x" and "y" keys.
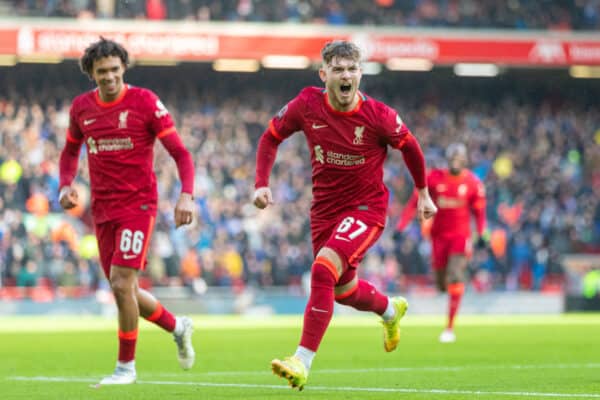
[
  {"x": 119, "y": 124},
  {"x": 458, "y": 193},
  {"x": 348, "y": 134}
]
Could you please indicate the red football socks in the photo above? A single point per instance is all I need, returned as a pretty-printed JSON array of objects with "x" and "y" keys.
[
  {"x": 319, "y": 308},
  {"x": 127, "y": 341},
  {"x": 365, "y": 298},
  {"x": 163, "y": 318},
  {"x": 455, "y": 293}
]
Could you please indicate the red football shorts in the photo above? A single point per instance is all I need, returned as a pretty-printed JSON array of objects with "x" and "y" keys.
[
  {"x": 445, "y": 246},
  {"x": 124, "y": 242},
  {"x": 350, "y": 236}
]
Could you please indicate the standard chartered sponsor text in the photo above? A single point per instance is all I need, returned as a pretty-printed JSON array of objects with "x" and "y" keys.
[
  {"x": 344, "y": 159},
  {"x": 115, "y": 144}
]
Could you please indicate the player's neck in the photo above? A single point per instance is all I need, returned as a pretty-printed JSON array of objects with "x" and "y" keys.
[
  {"x": 108, "y": 98},
  {"x": 339, "y": 108}
]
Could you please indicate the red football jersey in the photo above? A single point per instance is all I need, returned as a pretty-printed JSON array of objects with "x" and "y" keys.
[
  {"x": 119, "y": 138},
  {"x": 347, "y": 150},
  {"x": 457, "y": 197}
]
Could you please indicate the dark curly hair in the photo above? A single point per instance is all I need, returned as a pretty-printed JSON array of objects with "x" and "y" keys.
[{"x": 100, "y": 49}]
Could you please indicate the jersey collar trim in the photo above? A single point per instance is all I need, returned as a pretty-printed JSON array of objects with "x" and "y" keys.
[
  {"x": 361, "y": 99},
  {"x": 116, "y": 101},
  {"x": 461, "y": 175}
]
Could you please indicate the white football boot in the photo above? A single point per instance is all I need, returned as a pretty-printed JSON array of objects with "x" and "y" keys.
[
  {"x": 185, "y": 349},
  {"x": 121, "y": 376},
  {"x": 447, "y": 336}
]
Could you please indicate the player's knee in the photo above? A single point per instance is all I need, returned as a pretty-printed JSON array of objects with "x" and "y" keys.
[
  {"x": 122, "y": 286},
  {"x": 457, "y": 267},
  {"x": 345, "y": 290},
  {"x": 348, "y": 297},
  {"x": 322, "y": 276},
  {"x": 455, "y": 275},
  {"x": 347, "y": 301},
  {"x": 326, "y": 269}
]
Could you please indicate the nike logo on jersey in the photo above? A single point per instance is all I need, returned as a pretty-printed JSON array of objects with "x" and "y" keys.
[
  {"x": 129, "y": 256},
  {"x": 315, "y": 126},
  {"x": 318, "y": 310},
  {"x": 338, "y": 237},
  {"x": 86, "y": 122}
]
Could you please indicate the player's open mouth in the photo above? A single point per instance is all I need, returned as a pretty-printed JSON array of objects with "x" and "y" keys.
[{"x": 345, "y": 88}]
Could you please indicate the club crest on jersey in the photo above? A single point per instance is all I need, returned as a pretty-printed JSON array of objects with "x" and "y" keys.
[
  {"x": 358, "y": 135},
  {"x": 462, "y": 189},
  {"x": 161, "y": 109},
  {"x": 123, "y": 119},
  {"x": 319, "y": 154},
  {"x": 92, "y": 148}
]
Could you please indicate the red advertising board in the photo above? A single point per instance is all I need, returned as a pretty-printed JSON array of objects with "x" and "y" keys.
[{"x": 203, "y": 43}]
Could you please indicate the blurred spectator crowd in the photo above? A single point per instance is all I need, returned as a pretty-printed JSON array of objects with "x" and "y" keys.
[
  {"x": 513, "y": 14},
  {"x": 539, "y": 157}
]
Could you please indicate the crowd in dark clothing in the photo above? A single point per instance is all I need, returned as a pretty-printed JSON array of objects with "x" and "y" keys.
[
  {"x": 514, "y": 14},
  {"x": 535, "y": 146}
]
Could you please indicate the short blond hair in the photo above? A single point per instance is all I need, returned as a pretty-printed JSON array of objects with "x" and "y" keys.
[{"x": 341, "y": 49}]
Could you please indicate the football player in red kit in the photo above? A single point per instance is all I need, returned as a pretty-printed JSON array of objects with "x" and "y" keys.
[
  {"x": 119, "y": 124},
  {"x": 348, "y": 134},
  {"x": 458, "y": 194}
]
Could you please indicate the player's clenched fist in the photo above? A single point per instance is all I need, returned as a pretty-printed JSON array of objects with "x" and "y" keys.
[
  {"x": 262, "y": 197},
  {"x": 184, "y": 210},
  {"x": 68, "y": 197},
  {"x": 425, "y": 206}
]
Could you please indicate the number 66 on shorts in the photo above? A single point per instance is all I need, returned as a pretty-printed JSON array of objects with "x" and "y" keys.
[{"x": 124, "y": 241}]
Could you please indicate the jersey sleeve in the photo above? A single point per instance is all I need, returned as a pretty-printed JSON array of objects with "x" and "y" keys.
[
  {"x": 289, "y": 119},
  {"x": 69, "y": 156},
  {"x": 74, "y": 134},
  {"x": 159, "y": 119}
]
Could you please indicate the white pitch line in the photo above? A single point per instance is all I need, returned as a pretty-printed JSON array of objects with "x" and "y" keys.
[
  {"x": 393, "y": 370},
  {"x": 326, "y": 388}
]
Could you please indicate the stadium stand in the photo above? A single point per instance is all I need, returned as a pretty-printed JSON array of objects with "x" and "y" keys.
[
  {"x": 534, "y": 138},
  {"x": 515, "y": 14}
]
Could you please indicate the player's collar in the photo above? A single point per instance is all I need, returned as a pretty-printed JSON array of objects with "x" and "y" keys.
[
  {"x": 361, "y": 99},
  {"x": 116, "y": 101},
  {"x": 461, "y": 174}
]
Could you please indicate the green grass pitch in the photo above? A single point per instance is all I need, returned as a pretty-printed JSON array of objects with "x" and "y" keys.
[{"x": 495, "y": 357}]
